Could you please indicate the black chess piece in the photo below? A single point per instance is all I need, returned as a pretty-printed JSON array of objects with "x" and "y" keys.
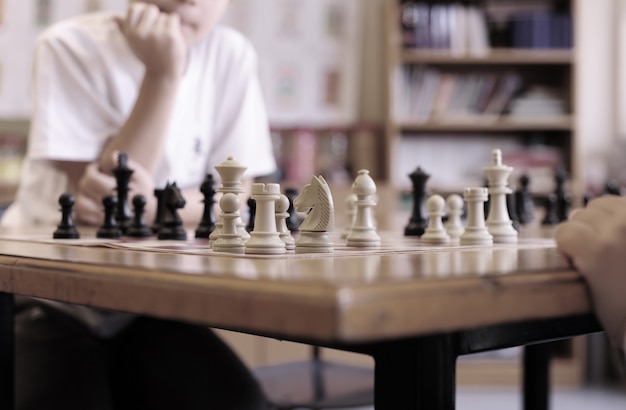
[
  {"x": 417, "y": 222},
  {"x": 122, "y": 176},
  {"x": 158, "y": 216},
  {"x": 487, "y": 203},
  {"x": 612, "y": 187},
  {"x": 293, "y": 220},
  {"x": 172, "y": 226},
  {"x": 252, "y": 214},
  {"x": 138, "y": 228},
  {"x": 66, "y": 228},
  {"x": 109, "y": 228},
  {"x": 207, "y": 223},
  {"x": 512, "y": 208},
  {"x": 551, "y": 217},
  {"x": 563, "y": 198},
  {"x": 524, "y": 201}
]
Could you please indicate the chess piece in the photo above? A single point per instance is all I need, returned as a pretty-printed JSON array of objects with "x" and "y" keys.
[
  {"x": 350, "y": 215},
  {"x": 207, "y": 224},
  {"x": 109, "y": 228},
  {"x": 172, "y": 225},
  {"x": 476, "y": 232},
  {"x": 138, "y": 228},
  {"x": 230, "y": 172},
  {"x": 499, "y": 222},
  {"x": 317, "y": 202},
  {"x": 122, "y": 177},
  {"x": 158, "y": 216},
  {"x": 252, "y": 214},
  {"x": 363, "y": 232},
  {"x": 293, "y": 221},
  {"x": 524, "y": 203},
  {"x": 229, "y": 239},
  {"x": 563, "y": 198},
  {"x": 265, "y": 238},
  {"x": 282, "y": 204},
  {"x": 550, "y": 217},
  {"x": 66, "y": 228},
  {"x": 417, "y": 222},
  {"x": 454, "y": 225},
  {"x": 612, "y": 187},
  {"x": 435, "y": 232},
  {"x": 511, "y": 206}
]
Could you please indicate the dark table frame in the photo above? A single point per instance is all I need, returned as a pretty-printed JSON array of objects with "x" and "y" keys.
[{"x": 411, "y": 373}]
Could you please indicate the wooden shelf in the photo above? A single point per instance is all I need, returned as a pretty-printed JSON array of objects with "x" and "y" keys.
[
  {"x": 482, "y": 124},
  {"x": 495, "y": 56}
]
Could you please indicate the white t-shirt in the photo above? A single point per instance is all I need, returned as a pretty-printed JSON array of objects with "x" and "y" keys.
[{"x": 86, "y": 80}]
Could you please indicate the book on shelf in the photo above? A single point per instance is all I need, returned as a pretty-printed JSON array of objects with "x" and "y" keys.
[
  {"x": 425, "y": 93},
  {"x": 455, "y": 27}
]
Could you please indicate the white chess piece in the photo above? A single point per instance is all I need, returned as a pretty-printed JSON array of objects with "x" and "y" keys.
[
  {"x": 350, "y": 215},
  {"x": 282, "y": 205},
  {"x": 476, "y": 232},
  {"x": 454, "y": 225},
  {"x": 499, "y": 222},
  {"x": 435, "y": 232},
  {"x": 230, "y": 172},
  {"x": 317, "y": 202},
  {"x": 265, "y": 239},
  {"x": 229, "y": 239},
  {"x": 363, "y": 232}
]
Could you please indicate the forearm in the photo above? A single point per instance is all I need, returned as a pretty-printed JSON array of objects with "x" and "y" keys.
[{"x": 143, "y": 134}]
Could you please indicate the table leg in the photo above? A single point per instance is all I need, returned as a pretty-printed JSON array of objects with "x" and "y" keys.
[
  {"x": 416, "y": 374},
  {"x": 537, "y": 377},
  {"x": 7, "y": 351}
]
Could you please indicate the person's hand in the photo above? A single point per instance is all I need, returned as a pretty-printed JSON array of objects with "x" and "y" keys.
[
  {"x": 594, "y": 239},
  {"x": 156, "y": 39},
  {"x": 92, "y": 187},
  {"x": 96, "y": 183}
]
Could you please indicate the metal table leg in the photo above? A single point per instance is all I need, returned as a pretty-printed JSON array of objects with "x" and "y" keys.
[
  {"x": 536, "y": 388},
  {"x": 7, "y": 352}
]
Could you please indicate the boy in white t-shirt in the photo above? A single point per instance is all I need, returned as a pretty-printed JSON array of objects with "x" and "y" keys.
[
  {"x": 594, "y": 239},
  {"x": 179, "y": 95}
]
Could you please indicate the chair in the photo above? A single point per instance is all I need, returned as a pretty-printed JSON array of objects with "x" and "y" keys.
[{"x": 316, "y": 384}]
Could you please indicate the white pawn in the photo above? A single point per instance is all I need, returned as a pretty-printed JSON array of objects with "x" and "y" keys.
[
  {"x": 282, "y": 205},
  {"x": 363, "y": 232},
  {"x": 229, "y": 239},
  {"x": 435, "y": 232},
  {"x": 454, "y": 225},
  {"x": 265, "y": 239},
  {"x": 350, "y": 215},
  {"x": 476, "y": 232},
  {"x": 499, "y": 222}
]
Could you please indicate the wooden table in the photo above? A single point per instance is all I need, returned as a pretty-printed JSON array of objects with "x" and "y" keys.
[{"x": 414, "y": 312}]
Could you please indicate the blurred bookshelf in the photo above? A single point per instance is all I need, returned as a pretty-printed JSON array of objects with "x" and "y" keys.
[
  {"x": 472, "y": 74},
  {"x": 464, "y": 77}
]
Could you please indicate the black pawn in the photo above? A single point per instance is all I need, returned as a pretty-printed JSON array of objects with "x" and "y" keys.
[
  {"x": 138, "y": 228},
  {"x": 158, "y": 216},
  {"x": 551, "y": 217},
  {"x": 109, "y": 228},
  {"x": 66, "y": 228},
  {"x": 252, "y": 214},
  {"x": 563, "y": 199},
  {"x": 524, "y": 201},
  {"x": 417, "y": 222},
  {"x": 122, "y": 176},
  {"x": 293, "y": 220},
  {"x": 207, "y": 223}
]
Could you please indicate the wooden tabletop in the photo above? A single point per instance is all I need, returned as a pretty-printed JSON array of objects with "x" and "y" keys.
[{"x": 340, "y": 298}]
